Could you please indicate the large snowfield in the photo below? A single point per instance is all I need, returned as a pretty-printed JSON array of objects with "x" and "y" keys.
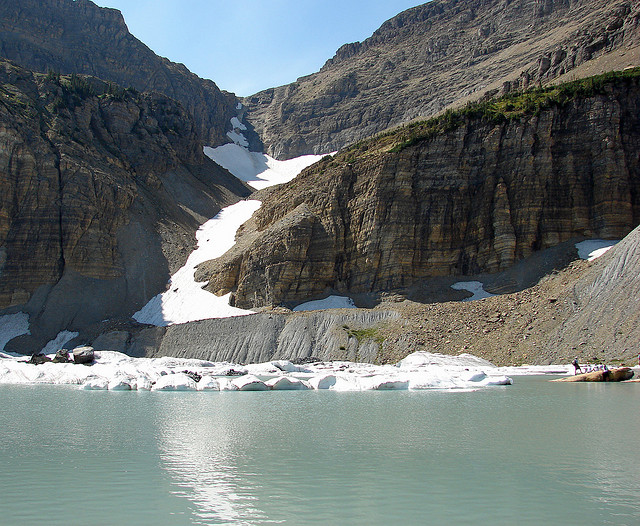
[{"x": 185, "y": 300}]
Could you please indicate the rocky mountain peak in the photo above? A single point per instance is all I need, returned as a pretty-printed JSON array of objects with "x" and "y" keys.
[
  {"x": 442, "y": 53},
  {"x": 77, "y": 36}
]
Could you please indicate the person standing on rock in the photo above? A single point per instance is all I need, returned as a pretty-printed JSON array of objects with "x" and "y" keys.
[{"x": 576, "y": 366}]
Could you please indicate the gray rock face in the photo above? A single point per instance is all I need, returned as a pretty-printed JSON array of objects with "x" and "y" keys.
[
  {"x": 77, "y": 36},
  {"x": 433, "y": 55},
  {"x": 101, "y": 191},
  {"x": 328, "y": 335}
]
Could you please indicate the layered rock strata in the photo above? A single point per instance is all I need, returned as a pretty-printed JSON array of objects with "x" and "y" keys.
[
  {"x": 101, "y": 190},
  {"x": 384, "y": 215},
  {"x": 433, "y": 55},
  {"x": 584, "y": 309}
]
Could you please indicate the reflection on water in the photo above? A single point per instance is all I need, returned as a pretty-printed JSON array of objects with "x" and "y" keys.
[
  {"x": 533, "y": 453},
  {"x": 202, "y": 442},
  {"x": 543, "y": 451}
]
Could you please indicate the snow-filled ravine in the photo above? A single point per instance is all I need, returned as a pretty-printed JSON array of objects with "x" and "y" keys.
[
  {"x": 116, "y": 371},
  {"x": 185, "y": 300}
]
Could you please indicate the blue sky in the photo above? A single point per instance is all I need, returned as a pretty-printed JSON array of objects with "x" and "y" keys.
[{"x": 245, "y": 46}]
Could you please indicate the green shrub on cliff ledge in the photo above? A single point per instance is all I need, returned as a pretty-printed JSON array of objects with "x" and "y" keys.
[{"x": 507, "y": 108}]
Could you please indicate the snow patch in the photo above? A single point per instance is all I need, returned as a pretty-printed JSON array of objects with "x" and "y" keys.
[
  {"x": 58, "y": 342},
  {"x": 237, "y": 125},
  {"x": 475, "y": 287},
  {"x": 594, "y": 248},
  {"x": 238, "y": 138},
  {"x": 185, "y": 300},
  {"x": 11, "y": 326},
  {"x": 332, "y": 302},
  {"x": 257, "y": 169},
  {"x": 175, "y": 382}
]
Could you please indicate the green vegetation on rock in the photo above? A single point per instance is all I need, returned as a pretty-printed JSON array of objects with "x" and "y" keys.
[{"x": 510, "y": 107}]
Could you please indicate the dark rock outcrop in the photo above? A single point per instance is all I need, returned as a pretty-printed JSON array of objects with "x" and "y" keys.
[
  {"x": 62, "y": 356},
  {"x": 83, "y": 355},
  {"x": 101, "y": 190},
  {"x": 477, "y": 198},
  {"x": 77, "y": 36},
  {"x": 436, "y": 54}
]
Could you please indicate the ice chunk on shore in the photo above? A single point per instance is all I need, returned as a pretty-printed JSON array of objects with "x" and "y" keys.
[
  {"x": 249, "y": 382},
  {"x": 208, "y": 383},
  {"x": 326, "y": 381},
  {"x": 287, "y": 383},
  {"x": 594, "y": 248},
  {"x": 116, "y": 371},
  {"x": 332, "y": 302},
  {"x": 175, "y": 382},
  {"x": 96, "y": 384},
  {"x": 389, "y": 384},
  {"x": 475, "y": 287},
  {"x": 121, "y": 383},
  {"x": 423, "y": 358}
]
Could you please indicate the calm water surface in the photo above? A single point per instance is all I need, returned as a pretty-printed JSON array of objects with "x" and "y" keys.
[{"x": 535, "y": 452}]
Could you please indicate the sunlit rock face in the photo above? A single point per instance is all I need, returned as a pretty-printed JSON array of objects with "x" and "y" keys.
[{"x": 474, "y": 199}]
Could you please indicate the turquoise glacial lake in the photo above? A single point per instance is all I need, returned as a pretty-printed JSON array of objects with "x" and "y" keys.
[{"x": 531, "y": 453}]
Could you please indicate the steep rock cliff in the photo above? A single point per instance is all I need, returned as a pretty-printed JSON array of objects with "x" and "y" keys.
[
  {"x": 77, "y": 36},
  {"x": 433, "y": 55},
  {"x": 476, "y": 193},
  {"x": 101, "y": 190}
]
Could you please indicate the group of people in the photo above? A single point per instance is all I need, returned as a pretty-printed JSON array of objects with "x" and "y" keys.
[
  {"x": 591, "y": 368},
  {"x": 588, "y": 368}
]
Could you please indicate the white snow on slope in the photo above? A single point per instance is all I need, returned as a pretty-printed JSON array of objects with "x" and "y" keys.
[
  {"x": 475, "y": 287},
  {"x": 117, "y": 371},
  {"x": 58, "y": 342},
  {"x": 332, "y": 302},
  {"x": 594, "y": 248},
  {"x": 185, "y": 300},
  {"x": 12, "y": 325},
  {"x": 258, "y": 169}
]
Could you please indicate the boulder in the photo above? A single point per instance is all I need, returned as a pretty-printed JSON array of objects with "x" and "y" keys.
[
  {"x": 62, "y": 356},
  {"x": 83, "y": 355},
  {"x": 38, "y": 359},
  {"x": 615, "y": 375}
]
